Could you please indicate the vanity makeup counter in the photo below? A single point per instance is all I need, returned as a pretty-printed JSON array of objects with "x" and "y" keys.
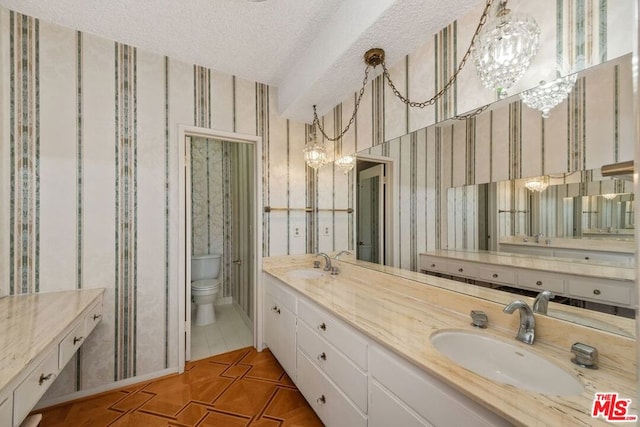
[
  {"x": 39, "y": 333},
  {"x": 620, "y": 249},
  {"x": 602, "y": 282},
  {"x": 399, "y": 315}
]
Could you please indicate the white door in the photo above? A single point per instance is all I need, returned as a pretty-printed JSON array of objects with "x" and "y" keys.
[
  {"x": 370, "y": 211},
  {"x": 187, "y": 264}
]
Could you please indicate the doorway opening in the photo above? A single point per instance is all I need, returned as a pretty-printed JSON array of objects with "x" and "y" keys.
[
  {"x": 374, "y": 210},
  {"x": 220, "y": 245}
]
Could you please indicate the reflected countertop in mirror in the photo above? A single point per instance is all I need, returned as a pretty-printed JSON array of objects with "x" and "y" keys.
[
  {"x": 623, "y": 245},
  {"x": 599, "y": 269}
]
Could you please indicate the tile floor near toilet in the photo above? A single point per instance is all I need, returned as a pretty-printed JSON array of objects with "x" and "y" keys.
[{"x": 227, "y": 333}]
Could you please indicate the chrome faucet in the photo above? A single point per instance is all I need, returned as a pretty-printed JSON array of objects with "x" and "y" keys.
[
  {"x": 541, "y": 303},
  {"x": 538, "y": 236},
  {"x": 327, "y": 260},
  {"x": 526, "y": 332},
  {"x": 342, "y": 253}
]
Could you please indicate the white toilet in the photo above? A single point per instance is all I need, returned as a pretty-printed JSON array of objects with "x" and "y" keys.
[{"x": 205, "y": 286}]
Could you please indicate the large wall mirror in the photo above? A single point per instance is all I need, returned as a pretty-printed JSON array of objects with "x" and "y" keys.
[{"x": 441, "y": 179}]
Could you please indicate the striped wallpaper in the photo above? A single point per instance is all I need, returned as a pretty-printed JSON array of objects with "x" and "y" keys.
[{"x": 90, "y": 171}]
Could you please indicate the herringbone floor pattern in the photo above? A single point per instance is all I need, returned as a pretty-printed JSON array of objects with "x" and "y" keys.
[{"x": 239, "y": 388}]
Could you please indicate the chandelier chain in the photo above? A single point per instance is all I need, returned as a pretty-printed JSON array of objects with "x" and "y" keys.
[
  {"x": 454, "y": 76},
  {"x": 316, "y": 120}
]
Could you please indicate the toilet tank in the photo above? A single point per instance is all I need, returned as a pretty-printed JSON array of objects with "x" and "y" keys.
[{"x": 205, "y": 266}]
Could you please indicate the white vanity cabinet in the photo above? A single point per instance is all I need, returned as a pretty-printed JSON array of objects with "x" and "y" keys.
[
  {"x": 6, "y": 409},
  {"x": 497, "y": 270},
  {"x": 280, "y": 323},
  {"x": 39, "y": 353},
  {"x": 351, "y": 380},
  {"x": 403, "y": 394}
]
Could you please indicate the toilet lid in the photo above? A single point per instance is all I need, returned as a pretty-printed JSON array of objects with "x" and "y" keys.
[{"x": 205, "y": 284}]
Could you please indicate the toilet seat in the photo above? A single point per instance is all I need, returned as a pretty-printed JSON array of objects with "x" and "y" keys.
[{"x": 205, "y": 285}]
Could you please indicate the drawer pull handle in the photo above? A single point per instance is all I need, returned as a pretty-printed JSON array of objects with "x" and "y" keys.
[
  {"x": 321, "y": 400},
  {"x": 275, "y": 309},
  {"x": 77, "y": 340},
  {"x": 433, "y": 265},
  {"x": 460, "y": 270},
  {"x": 322, "y": 326},
  {"x": 596, "y": 292},
  {"x": 44, "y": 378},
  {"x": 4, "y": 401},
  {"x": 97, "y": 316},
  {"x": 322, "y": 356},
  {"x": 494, "y": 275},
  {"x": 539, "y": 283}
]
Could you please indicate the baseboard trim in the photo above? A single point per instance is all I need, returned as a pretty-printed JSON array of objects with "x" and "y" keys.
[
  {"x": 224, "y": 301},
  {"x": 78, "y": 395}
]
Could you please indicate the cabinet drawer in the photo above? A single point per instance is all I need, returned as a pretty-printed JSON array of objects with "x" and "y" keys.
[
  {"x": 386, "y": 410},
  {"x": 541, "y": 281},
  {"x": 338, "y": 367},
  {"x": 335, "y": 332},
  {"x": 602, "y": 291},
  {"x": 278, "y": 290},
  {"x": 6, "y": 409},
  {"x": 70, "y": 344},
  {"x": 429, "y": 263},
  {"x": 432, "y": 399},
  {"x": 27, "y": 394},
  {"x": 333, "y": 408},
  {"x": 462, "y": 269},
  {"x": 494, "y": 274},
  {"x": 93, "y": 318}
]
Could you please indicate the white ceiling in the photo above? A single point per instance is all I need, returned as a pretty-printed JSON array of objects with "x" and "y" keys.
[{"x": 311, "y": 50}]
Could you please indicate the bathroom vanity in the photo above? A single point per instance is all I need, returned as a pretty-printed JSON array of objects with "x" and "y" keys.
[
  {"x": 358, "y": 346},
  {"x": 39, "y": 334},
  {"x": 611, "y": 284}
]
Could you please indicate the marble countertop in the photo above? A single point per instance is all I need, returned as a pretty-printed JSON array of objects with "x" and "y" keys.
[
  {"x": 30, "y": 323},
  {"x": 401, "y": 315},
  {"x": 603, "y": 269},
  {"x": 622, "y": 245}
]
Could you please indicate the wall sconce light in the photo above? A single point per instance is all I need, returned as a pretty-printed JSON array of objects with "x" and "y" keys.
[{"x": 538, "y": 184}]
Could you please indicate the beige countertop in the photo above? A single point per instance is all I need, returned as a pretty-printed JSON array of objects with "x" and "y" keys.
[
  {"x": 603, "y": 269},
  {"x": 401, "y": 315},
  {"x": 30, "y": 323},
  {"x": 622, "y": 244}
]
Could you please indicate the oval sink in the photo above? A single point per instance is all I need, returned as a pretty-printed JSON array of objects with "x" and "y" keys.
[
  {"x": 305, "y": 273},
  {"x": 505, "y": 363}
]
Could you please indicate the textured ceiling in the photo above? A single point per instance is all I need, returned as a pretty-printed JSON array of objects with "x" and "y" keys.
[{"x": 310, "y": 49}]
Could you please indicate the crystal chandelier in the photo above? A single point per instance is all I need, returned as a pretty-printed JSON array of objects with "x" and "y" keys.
[
  {"x": 345, "y": 163},
  {"x": 504, "y": 49},
  {"x": 547, "y": 95},
  {"x": 538, "y": 184},
  {"x": 315, "y": 155}
]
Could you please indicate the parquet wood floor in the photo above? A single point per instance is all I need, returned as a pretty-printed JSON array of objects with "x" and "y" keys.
[{"x": 239, "y": 388}]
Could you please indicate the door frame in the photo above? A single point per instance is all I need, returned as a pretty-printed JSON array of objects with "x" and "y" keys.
[
  {"x": 184, "y": 224},
  {"x": 391, "y": 225}
]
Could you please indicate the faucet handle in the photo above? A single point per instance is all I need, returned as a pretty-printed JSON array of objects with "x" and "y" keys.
[
  {"x": 586, "y": 356},
  {"x": 479, "y": 319},
  {"x": 316, "y": 264}
]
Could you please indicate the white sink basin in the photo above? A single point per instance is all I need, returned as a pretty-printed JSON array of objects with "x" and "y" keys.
[
  {"x": 505, "y": 363},
  {"x": 306, "y": 273}
]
